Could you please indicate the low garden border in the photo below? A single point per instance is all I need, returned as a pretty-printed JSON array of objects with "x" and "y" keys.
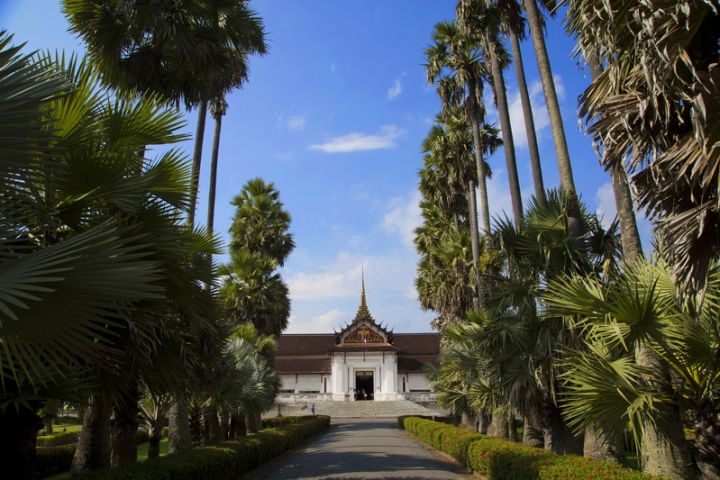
[
  {"x": 225, "y": 460},
  {"x": 497, "y": 459}
]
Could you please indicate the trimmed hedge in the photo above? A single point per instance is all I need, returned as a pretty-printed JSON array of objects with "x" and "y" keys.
[
  {"x": 71, "y": 438},
  {"x": 226, "y": 460},
  {"x": 281, "y": 421},
  {"x": 52, "y": 460},
  {"x": 503, "y": 460}
]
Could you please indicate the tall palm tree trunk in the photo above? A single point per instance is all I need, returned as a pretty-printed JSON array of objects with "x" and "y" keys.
[
  {"x": 507, "y": 135},
  {"x": 558, "y": 437},
  {"x": 567, "y": 182},
  {"x": 178, "y": 417},
  {"x": 475, "y": 241},
  {"x": 125, "y": 427},
  {"x": 253, "y": 422},
  {"x": 179, "y": 425},
  {"x": 663, "y": 449},
  {"x": 528, "y": 117},
  {"x": 533, "y": 430},
  {"x": 93, "y": 448},
  {"x": 213, "y": 170},
  {"x": 197, "y": 160},
  {"x": 154, "y": 437},
  {"x": 498, "y": 426},
  {"x": 479, "y": 161}
]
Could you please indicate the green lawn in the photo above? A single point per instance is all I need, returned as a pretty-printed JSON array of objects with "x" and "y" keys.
[
  {"x": 62, "y": 428},
  {"x": 143, "y": 449}
]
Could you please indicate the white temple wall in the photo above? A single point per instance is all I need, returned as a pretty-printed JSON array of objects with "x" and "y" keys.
[
  {"x": 309, "y": 383},
  {"x": 344, "y": 367},
  {"x": 417, "y": 381},
  {"x": 287, "y": 382},
  {"x": 302, "y": 382}
]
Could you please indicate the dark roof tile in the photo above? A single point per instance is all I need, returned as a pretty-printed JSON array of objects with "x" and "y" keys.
[{"x": 302, "y": 365}]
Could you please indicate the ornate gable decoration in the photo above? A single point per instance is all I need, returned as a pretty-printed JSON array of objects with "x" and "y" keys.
[
  {"x": 363, "y": 334},
  {"x": 363, "y": 328}
]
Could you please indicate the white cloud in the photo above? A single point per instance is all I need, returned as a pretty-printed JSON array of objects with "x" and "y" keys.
[
  {"x": 356, "y": 142},
  {"x": 296, "y": 122},
  {"x": 339, "y": 278},
  {"x": 324, "y": 323},
  {"x": 404, "y": 217},
  {"x": 606, "y": 207},
  {"x": 396, "y": 89},
  {"x": 559, "y": 87},
  {"x": 499, "y": 199}
]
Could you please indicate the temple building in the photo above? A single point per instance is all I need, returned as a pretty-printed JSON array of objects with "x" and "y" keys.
[{"x": 364, "y": 361}]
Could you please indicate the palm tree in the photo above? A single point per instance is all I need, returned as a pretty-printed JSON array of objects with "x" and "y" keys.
[
  {"x": 219, "y": 107},
  {"x": 606, "y": 386},
  {"x": 253, "y": 386},
  {"x": 527, "y": 347},
  {"x": 198, "y": 52},
  {"x": 672, "y": 188},
  {"x": 261, "y": 223},
  {"x": 513, "y": 25},
  {"x": 252, "y": 292},
  {"x": 567, "y": 182},
  {"x": 449, "y": 146},
  {"x": 480, "y": 24},
  {"x": 451, "y": 50},
  {"x": 154, "y": 408},
  {"x": 64, "y": 211}
]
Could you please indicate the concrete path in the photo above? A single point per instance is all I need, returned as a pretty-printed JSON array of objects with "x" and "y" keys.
[{"x": 359, "y": 449}]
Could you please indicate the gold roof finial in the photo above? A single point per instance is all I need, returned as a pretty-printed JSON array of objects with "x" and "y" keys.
[{"x": 363, "y": 301}]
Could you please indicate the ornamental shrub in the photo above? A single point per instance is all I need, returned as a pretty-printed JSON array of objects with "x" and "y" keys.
[
  {"x": 52, "y": 460},
  {"x": 498, "y": 459},
  {"x": 71, "y": 438},
  {"x": 56, "y": 439},
  {"x": 226, "y": 460}
]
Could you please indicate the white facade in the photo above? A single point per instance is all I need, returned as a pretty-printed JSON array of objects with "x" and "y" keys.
[
  {"x": 361, "y": 362},
  {"x": 342, "y": 382}
]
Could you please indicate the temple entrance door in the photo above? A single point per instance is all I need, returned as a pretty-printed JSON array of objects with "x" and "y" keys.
[{"x": 364, "y": 385}]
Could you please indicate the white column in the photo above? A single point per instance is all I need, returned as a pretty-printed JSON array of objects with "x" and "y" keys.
[{"x": 338, "y": 378}]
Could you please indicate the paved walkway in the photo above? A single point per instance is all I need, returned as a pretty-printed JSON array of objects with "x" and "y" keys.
[{"x": 360, "y": 449}]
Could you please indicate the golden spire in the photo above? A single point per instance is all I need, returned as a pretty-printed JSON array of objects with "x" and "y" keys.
[
  {"x": 363, "y": 301},
  {"x": 363, "y": 313}
]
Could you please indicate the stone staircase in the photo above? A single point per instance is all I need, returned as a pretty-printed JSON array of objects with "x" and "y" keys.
[{"x": 359, "y": 409}]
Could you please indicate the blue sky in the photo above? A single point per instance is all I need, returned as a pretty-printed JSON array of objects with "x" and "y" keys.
[{"x": 334, "y": 116}]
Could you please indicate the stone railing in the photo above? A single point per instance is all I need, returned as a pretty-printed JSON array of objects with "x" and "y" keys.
[
  {"x": 420, "y": 396},
  {"x": 301, "y": 398}
]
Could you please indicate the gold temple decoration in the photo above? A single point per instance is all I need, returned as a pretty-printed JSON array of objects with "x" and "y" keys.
[
  {"x": 361, "y": 330},
  {"x": 363, "y": 334}
]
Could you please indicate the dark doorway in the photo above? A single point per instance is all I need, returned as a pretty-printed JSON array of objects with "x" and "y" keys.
[{"x": 364, "y": 385}]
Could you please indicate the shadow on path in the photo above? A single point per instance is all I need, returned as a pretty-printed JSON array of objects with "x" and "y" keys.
[{"x": 360, "y": 449}]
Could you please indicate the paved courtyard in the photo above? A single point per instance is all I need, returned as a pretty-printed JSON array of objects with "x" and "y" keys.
[{"x": 360, "y": 449}]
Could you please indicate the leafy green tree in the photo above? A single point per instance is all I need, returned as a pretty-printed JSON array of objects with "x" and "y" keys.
[
  {"x": 605, "y": 383},
  {"x": 261, "y": 224},
  {"x": 480, "y": 24},
  {"x": 190, "y": 51},
  {"x": 80, "y": 205},
  {"x": 451, "y": 50},
  {"x": 673, "y": 163},
  {"x": 252, "y": 290}
]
